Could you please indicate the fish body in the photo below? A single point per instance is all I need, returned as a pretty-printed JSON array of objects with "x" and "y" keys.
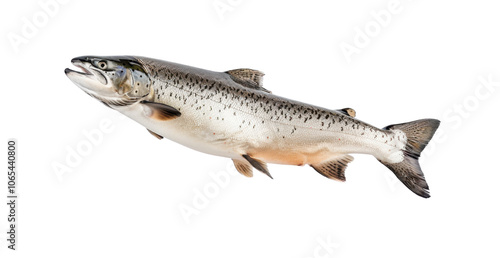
[{"x": 230, "y": 114}]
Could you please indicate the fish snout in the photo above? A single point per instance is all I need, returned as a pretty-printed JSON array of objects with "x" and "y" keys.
[
  {"x": 88, "y": 78},
  {"x": 81, "y": 59}
]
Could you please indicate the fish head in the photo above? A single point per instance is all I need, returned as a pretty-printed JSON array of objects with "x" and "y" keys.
[{"x": 111, "y": 79}]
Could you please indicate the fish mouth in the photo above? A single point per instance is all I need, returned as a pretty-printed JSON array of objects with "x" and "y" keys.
[
  {"x": 84, "y": 71},
  {"x": 83, "y": 63},
  {"x": 88, "y": 78}
]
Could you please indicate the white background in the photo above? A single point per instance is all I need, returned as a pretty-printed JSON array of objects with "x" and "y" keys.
[{"x": 124, "y": 198}]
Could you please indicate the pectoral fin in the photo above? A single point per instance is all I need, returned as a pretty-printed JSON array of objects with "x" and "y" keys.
[
  {"x": 258, "y": 164},
  {"x": 160, "y": 111},
  {"x": 243, "y": 167},
  {"x": 334, "y": 168}
]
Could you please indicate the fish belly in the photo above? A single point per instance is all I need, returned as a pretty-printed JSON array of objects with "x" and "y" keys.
[{"x": 230, "y": 133}]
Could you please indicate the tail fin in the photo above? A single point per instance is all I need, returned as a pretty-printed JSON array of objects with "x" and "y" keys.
[{"x": 418, "y": 134}]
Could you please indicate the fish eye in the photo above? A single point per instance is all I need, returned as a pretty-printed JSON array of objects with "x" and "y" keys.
[{"x": 102, "y": 65}]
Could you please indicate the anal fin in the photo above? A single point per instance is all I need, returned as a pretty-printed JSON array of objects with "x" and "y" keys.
[
  {"x": 155, "y": 134},
  {"x": 258, "y": 164},
  {"x": 334, "y": 168},
  {"x": 243, "y": 167}
]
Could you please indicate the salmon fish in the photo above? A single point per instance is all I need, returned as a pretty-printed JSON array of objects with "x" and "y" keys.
[{"x": 230, "y": 114}]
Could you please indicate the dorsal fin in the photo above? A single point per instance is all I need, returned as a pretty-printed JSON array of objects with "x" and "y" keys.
[
  {"x": 347, "y": 111},
  {"x": 248, "y": 77},
  {"x": 334, "y": 168}
]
